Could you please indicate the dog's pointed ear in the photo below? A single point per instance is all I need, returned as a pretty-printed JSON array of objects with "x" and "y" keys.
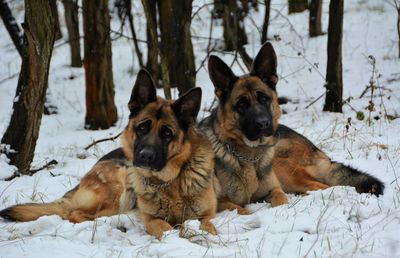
[
  {"x": 187, "y": 107},
  {"x": 222, "y": 77},
  {"x": 264, "y": 66},
  {"x": 143, "y": 92}
]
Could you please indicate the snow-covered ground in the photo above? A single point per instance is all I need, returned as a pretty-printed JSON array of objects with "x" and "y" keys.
[{"x": 336, "y": 222}]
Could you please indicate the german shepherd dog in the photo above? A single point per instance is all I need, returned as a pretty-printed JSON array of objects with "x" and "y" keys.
[
  {"x": 256, "y": 157},
  {"x": 165, "y": 167}
]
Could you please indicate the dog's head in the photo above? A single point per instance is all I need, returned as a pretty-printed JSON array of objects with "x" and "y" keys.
[
  {"x": 248, "y": 105},
  {"x": 158, "y": 128}
]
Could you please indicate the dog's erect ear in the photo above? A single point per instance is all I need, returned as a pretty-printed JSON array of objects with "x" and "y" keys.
[
  {"x": 264, "y": 65},
  {"x": 187, "y": 107},
  {"x": 222, "y": 77},
  {"x": 143, "y": 92}
]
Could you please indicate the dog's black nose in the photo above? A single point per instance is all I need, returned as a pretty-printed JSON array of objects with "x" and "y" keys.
[
  {"x": 263, "y": 123},
  {"x": 147, "y": 156}
]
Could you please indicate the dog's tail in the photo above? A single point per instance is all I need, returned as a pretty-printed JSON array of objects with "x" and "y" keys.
[
  {"x": 341, "y": 174},
  {"x": 32, "y": 211}
]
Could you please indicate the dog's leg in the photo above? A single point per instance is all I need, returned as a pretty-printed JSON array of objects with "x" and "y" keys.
[
  {"x": 225, "y": 204},
  {"x": 206, "y": 224},
  {"x": 155, "y": 227},
  {"x": 276, "y": 195}
]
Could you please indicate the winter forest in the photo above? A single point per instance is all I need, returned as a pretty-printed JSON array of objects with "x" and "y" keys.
[{"x": 72, "y": 86}]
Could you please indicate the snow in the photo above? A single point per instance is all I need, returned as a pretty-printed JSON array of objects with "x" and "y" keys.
[{"x": 330, "y": 223}]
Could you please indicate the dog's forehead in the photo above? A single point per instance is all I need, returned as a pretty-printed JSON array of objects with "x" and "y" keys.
[
  {"x": 249, "y": 84},
  {"x": 159, "y": 110}
]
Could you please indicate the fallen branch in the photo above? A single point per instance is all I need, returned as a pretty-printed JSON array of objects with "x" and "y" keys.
[
  {"x": 31, "y": 172},
  {"x": 103, "y": 140}
]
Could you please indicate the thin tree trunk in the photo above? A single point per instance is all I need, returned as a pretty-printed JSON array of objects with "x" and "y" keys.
[
  {"x": 53, "y": 6},
  {"x": 153, "y": 64},
  {"x": 176, "y": 41},
  {"x": 12, "y": 27},
  {"x": 128, "y": 5},
  {"x": 398, "y": 25},
  {"x": 234, "y": 33},
  {"x": 297, "y": 6},
  {"x": 334, "y": 81},
  {"x": 23, "y": 130},
  {"x": 72, "y": 22},
  {"x": 264, "y": 35},
  {"x": 152, "y": 27},
  {"x": 315, "y": 28},
  {"x": 101, "y": 112}
]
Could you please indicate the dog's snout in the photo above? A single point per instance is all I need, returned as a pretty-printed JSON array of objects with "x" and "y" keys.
[
  {"x": 147, "y": 155},
  {"x": 263, "y": 123}
]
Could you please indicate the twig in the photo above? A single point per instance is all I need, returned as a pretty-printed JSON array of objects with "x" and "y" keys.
[
  {"x": 315, "y": 100},
  {"x": 32, "y": 171},
  {"x": 103, "y": 140}
]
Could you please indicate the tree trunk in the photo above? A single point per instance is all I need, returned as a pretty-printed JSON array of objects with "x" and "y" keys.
[
  {"x": 101, "y": 112},
  {"x": 315, "y": 28},
  {"x": 153, "y": 65},
  {"x": 176, "y": 42},
  {"x": 264, "y": 35},
  {"x": 72, "y": 22},
  {"x": 12, "y": 27},
  {"x": 398, "y": 26},
  {"x": 334, "y": 81},
  {"x": 234, "y": 33},
  {"x": 152, "y": 29},
  {"x": 23, "y": 130},
  {"x": 128, "y": 5},
  {"x": 297, "y": 6},
  {"x": 54, "y": 11}
]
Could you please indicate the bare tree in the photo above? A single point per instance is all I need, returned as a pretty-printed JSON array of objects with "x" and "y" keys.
[
  {"x": 264, "y": 34},
  {"x": 397, "y": 5},
  {"x": 176, "y": 41},
  {"x": 153, "y": 64},
  {"x": 101, "y": 112},
  {"x": 315, "y": 28},
  {"x": 54, "y": 11},
  {"x": 151, "y": 17},
  {"x": 297, "y": 6},
  {"x": 334, "y": 80},
  {"x": 23, "y": 130},
  {"x": 234, "y": 33},
  {"x": 12, "y": 27},
  {"x": 72, "y": 22}
]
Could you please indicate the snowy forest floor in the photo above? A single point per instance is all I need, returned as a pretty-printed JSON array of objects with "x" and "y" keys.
[{"x": 330, "y": 223}]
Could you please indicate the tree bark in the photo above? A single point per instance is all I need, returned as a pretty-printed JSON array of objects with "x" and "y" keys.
[
  {"x": 23, "y": 130},
  {"x": 54, "y": 11},
  {"x": 152, "y": 29},
  {"x": 101, "y": 112},
  {"x": 264, "y": 35},
  {"x": 398, "y": 26},
  {"x": 334, "y": 81},
  {"x": 297, "y": 6},
  {"x": 17, "y": 36},
  {"x": 72, "y": 22},
  {"x": 128, "y": 5},
  {"x": 234, "y": 33},
  {"x": 315, "y": 28},
  {"x": 176, "y": 42},
  {"x": 153, "y": 64}
]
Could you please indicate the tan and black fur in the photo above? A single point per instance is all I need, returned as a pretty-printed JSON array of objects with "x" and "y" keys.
[
  {"x": 256, "y": 157},
  {"x": 165, "y": 168}
]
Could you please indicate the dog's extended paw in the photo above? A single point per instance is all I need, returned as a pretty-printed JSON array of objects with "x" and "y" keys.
[
  {"x": 209, "y": 227},
  {"x": 279, "y": 199},
  {"x": 243, "y": 211}
]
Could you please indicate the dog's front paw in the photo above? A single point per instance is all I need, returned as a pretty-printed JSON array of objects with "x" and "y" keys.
[
  {"x": 209, "y": 227},
  {"x": 279, "y": 198}
]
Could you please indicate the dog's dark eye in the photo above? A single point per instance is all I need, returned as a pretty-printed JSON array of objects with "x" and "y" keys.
[
  {"x": 143, "y": 128},
  {"x": 242, "y": 104},
  {"x": 166, "y": 133},
  {"x": 262, "y": 98}
]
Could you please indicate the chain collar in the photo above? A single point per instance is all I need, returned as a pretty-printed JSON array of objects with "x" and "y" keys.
[
  {"x": 146, "y": 182},
  {"x": 242, "y": 157}
]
